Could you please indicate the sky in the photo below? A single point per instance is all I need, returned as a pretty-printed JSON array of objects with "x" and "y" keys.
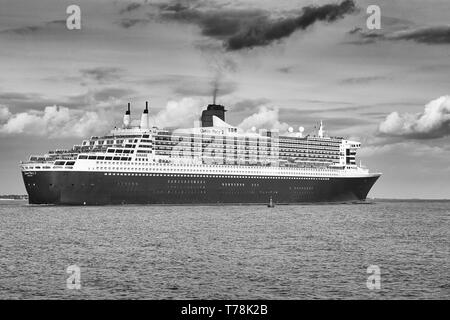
[{"x": 274, "y": 64}]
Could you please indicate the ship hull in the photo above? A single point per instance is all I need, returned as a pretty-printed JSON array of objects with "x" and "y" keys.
[{"x": 100, "y": 188}]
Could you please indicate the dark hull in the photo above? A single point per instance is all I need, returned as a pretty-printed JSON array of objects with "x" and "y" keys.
[{"x": 97, "y": 188}]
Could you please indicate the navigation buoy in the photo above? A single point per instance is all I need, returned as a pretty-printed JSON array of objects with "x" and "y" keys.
[{"x": 270, "y": 205}]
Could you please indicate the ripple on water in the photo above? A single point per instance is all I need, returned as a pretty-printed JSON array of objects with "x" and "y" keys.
[{"x": 230, "y": 252}]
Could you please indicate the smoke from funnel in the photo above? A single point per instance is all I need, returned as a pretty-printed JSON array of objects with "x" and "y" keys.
[
  {"x": 216, "y": 84},
  {"x": 221, "y": 67}
]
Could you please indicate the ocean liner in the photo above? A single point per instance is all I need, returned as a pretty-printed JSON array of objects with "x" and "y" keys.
[{"x": 211, "y": 163}]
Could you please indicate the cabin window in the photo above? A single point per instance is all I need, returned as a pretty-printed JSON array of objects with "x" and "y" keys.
[
  {"x": 101, "y": 158},
  {"x": 92, "y": 157},
  {"x": 82, "y": 157},
  {"x": 70, "y": 163}
]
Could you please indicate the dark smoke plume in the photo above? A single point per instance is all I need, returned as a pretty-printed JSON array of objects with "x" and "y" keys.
[{"x": 215, "y": 91}]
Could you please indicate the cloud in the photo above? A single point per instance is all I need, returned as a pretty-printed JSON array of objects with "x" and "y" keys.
[
  {"x": 100, "y": 97},
  {"x": 34, "y": 29},
  {"x": 216, "y": 23},
  {"x": 433, "y": 122},
  {"x": 24, "y": 101},
  {"x": 131, "y": 7},
  {"x": 262, "y": 33},
  {"x": 22, "y": 30},
  {"x": 56, "y": 122},
  {"x": 102, "y": 74},
  {"x": 112, "y": 93},
  {"x": 178, "y": 114},
  {"x": 249, "y": 105},
  {"x": 287, "y": 69},
  {"x": 427, "y": 35},
  {"x": 362, "y": 80},
  {"x": 243, "y": 28},
  {"x": 128, "y": 22},
  {"x": 4, "y": 113},
  {"x": 265, "y": 118}
]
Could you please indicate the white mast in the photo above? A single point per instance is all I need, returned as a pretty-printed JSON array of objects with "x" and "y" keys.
[{"x": 320, "y": 133}]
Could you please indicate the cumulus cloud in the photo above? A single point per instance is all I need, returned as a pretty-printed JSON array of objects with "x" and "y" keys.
[
  {"x": 265, "y": 118},
  {"x": 433, "y": 122},
  {"x": 182, "y": 113},
  {"x": 56, "y": 122},
  {"x": 4, "y": 113}
]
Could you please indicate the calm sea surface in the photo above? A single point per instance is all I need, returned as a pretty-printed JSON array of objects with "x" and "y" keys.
[{"x": 230, "y": 252}]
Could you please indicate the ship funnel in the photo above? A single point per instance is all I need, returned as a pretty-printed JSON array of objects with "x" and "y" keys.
[
  {"x": 212, "y": 110},
  {"x": 144, "y": 117},
  {"x": 126, "y": 117}
]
